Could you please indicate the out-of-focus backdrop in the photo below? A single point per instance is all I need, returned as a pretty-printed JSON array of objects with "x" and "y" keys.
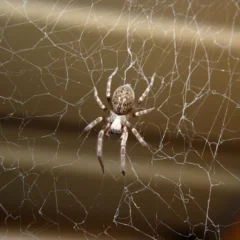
[{"x": 54, "y": 53}]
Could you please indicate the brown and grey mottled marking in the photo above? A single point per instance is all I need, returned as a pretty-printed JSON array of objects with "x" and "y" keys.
[{"x": 123, "y": 99}]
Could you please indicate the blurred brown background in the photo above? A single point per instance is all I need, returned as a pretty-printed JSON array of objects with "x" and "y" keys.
[{"x": 52, "y": 55}]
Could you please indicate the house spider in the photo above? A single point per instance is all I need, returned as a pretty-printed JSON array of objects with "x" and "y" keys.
[{"x": 121, "y": 104}]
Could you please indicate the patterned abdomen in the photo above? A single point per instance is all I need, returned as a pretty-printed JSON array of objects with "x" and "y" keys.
[{"x": 123, "y": 99}]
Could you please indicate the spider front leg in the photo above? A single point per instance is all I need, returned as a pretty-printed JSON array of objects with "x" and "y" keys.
[
  {"x": 146, "y": 92},
  {"x": 98, "y": 100},
  {"x": 124, "y": 138},
  {"x": 109, "y": 82}
]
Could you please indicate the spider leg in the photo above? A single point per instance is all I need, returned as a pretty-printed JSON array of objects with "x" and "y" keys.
[
  {"x": 100, "y": 145},
  {"x": 140, "y": 138},
  {"x": 98, "y": 100},
  {"x": 124, "y": 138},
  {"x": 99, "y": 148},
  {"x": 109, "y": 82},
  {"x": 93, "y": 124},
  {"x": 146, "y": 92},
  {"x": 143, "y": 112}
]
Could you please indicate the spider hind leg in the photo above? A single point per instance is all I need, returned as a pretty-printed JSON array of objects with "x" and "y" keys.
[
  {"x": 99, "y": 148},
  {"x": 124, "y": 138}
]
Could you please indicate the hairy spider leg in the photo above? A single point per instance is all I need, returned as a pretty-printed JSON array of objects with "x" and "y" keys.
[
  {"x": 108, "y": 89},
  {"x": 93, "y": 124},
  {"x": 98, "y": 100},
  {"x": 124, "y": 138},
  {"x": 143, "y": 112},
  {"x": 140, "y": 138},
  {"x": 146, "y": 92},
  {"x": 99, "y": 148},
  {"x": 100, "y": 145}
]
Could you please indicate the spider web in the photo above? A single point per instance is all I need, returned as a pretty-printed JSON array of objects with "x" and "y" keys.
[{"x": 53, "y": 54}]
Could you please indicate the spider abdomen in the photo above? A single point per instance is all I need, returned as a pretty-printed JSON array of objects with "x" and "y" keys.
[{"x": 123, "y": 99}]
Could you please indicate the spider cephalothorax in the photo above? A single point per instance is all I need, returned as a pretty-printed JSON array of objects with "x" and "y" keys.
[{"x": 121, "y": 103}]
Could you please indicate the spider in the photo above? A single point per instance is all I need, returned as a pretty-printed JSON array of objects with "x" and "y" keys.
[{"x": 121, "y": 105}]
